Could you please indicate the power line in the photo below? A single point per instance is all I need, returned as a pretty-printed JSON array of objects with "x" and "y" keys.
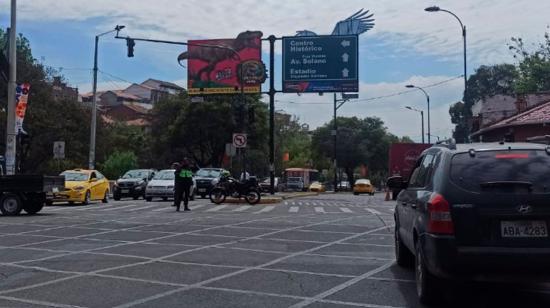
[{"x": 116, "y": 77}]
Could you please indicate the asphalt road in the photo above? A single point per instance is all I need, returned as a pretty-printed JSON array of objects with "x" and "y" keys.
[{"x": 326, "y": 251}]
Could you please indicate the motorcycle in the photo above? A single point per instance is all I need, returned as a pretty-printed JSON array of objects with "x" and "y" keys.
[{"x": 231, "y": 187}]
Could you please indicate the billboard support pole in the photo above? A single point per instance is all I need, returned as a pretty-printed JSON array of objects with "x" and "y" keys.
[{"x": 272, "y": 92}]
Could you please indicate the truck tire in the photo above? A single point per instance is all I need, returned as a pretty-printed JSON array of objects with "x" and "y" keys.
[
  {"x": 10, "y": 205},
  {"x": 33, "y": 207}
]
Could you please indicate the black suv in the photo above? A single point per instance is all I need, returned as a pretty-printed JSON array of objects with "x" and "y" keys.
[
  {"x": 132, "y": 184},
  {"x": 474, "y": 211},
  {"x": 206, "y": 178}
]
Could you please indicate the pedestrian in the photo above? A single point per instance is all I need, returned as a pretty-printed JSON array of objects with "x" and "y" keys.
[{"x": 183, "y": 183}]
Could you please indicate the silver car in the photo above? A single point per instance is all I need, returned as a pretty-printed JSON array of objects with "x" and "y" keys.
[{"x": 162, "y": 186}]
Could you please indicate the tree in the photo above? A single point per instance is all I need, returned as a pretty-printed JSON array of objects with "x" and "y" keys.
[
  {"x": 360, "y": 141},
  {"x": 292, "y": 138},
  {"x": 533, "y": 66},
  {"x": 118, "y": 163}
]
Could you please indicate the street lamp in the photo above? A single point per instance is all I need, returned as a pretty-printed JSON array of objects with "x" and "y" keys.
[
  {"x": 93, "y": 127},
  {"x": 422, "y": 118},
  {"x": 432, "y": 9},
  {"x": 428, "y": 101}
]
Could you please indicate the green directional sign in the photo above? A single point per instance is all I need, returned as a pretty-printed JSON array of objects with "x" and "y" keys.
[{"x": 320, "y": 63}]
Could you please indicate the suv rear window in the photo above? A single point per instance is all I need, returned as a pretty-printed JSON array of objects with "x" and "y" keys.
[{"x": 506, "y": 171}]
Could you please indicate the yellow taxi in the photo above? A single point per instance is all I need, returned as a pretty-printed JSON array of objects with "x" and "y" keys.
[
  {"x": 363, "y": 186},
  {"x": 317, "y": 187},
  {"x": 83, "y": 186}
]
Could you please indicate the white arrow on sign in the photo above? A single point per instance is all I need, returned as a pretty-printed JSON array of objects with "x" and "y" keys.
[
  {"x": 346, "y": 43},
  {"x": 345, "y": 73},
  {"x": 345, "y": 57}
]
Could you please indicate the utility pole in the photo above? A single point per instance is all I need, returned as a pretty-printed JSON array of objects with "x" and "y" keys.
[
  {"x": 272, "y": 92},
  {"x": 337, "y": 104},
  {"x": 11, "y": 145}
]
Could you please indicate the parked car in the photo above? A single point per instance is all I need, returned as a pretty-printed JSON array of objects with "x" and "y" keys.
[
  {"x": 363, "y": 186},
  {"x": 206, "y": 179},
  {"x": 295, "y": 183},
  {"x": 278, "y": 185},
  {"x": 474, "y": 211},
  {"x": 132, "y": 184},
  {"x": 317, "y": 187},
  {"x": 83, "y": 186},
  {"x": 162, "y": 186},
  {"x": 344, "y": 186}
]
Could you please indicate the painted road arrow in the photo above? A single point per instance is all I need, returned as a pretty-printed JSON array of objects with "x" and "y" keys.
[
  {"x": 346, "y": 43},
  {"x": 345, "y": 57}
]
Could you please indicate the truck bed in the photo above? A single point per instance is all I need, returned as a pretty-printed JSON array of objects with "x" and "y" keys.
[{"x": 31, "y": 183}]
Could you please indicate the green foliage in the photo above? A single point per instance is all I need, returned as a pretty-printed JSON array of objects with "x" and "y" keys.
[
  {"x": 291, "y": 138},
  {"x": 533, "y": 66},
  {"x": 118, "y": 163}
]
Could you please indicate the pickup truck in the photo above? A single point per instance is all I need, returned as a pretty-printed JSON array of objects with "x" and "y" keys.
[{"x": 27, "y": 192}]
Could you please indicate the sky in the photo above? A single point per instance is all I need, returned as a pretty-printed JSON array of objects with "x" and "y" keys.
[{"x": 407, "y": 45}]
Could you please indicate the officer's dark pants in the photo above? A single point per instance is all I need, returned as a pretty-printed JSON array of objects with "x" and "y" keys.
[{"x": 181, "y": 192}]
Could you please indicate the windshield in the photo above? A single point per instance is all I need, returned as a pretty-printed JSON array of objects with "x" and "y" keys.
[
  {"x": 294, "y": 179},
  {"x": 209, "y": 173},
  {"x": 502, "y": 170},
  {"x": 136, "y": 174},
  {"x": 75, "y": 176},
  {"x": 362, "y": 182},
  {"x": 165, "y": 175}
]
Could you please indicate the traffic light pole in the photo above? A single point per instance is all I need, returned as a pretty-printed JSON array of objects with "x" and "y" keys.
[{"x": 272, "y": 92}]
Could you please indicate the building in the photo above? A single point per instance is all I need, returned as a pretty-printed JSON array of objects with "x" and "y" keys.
[
  {"x": 528, "y": 123},
  {"x": 112, "y": 98},
  {"x": 62, "y": 92},
  {"x": 133, "y": 114}
]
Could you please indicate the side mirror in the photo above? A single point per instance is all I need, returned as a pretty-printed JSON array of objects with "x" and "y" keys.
[{"x": 396, "y": 182}]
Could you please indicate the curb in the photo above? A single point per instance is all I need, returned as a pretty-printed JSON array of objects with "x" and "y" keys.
[{"x": 306, "y": 194}]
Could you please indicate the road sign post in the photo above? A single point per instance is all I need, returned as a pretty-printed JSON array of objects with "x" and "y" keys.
[
  {"x": 59, "y": 150},
  {"x": 320, "y": 64}
]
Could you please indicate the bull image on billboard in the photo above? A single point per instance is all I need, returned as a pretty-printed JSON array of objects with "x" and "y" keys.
[{"x": 217, "y": 69}]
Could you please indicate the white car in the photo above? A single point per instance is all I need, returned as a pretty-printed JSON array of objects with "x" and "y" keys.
[{"x": 162, "y": 186}]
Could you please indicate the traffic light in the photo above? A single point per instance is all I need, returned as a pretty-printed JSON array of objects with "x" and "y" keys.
[{"x": 130, "y": 43}]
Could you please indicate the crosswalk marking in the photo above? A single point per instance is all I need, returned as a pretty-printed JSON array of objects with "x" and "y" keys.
[
  {"x": 242, "y": 208},
  {"x": 293, "y": 209},
  {"x": 319, "y": 209},
  {"x": 142, "y": 208},
  {"x": 217, "y": 208},
  {"x": 198, "y": 206},
  {"x": 375, "y": 212},
  {"x": 114, "y": 208},
  {"x": 265, "y": 209},
  {"x": 286, "y": 202},
  {"x": 300, "y": 203},
  {"x": 392, "y": 210},
  {"x": 346, "y": 210},
  {"x": 162, "y": 209}
]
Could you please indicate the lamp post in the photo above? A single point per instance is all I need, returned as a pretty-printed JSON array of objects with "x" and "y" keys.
[
  {"x": 432, "y": 9},
  {"x": 93, "y": 126},
  {"x": 421, "y": 116},
  {"x": 428, "y": 102}
]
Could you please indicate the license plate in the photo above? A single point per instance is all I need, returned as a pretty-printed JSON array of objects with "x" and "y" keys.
[
  {"x": 527, "y": 228},
  {"x": 125, "y": 191},
  {"x": 202, "y": 189}
]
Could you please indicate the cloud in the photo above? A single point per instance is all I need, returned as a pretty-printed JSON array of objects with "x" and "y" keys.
[
  {"x": 403, "y": 24},
  {"x": 317, "y": 110}
]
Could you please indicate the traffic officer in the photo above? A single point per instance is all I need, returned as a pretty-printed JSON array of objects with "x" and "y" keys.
[{"x": 183, "y": 184}]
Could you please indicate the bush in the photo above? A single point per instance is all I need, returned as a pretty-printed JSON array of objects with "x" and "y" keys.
[{"x": 118, "y": 163}]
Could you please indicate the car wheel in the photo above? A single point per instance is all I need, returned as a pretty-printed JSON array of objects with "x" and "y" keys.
[
  {"x": 33, "y": 207},
  {"x": 428, "y": 287},
  {"x": 49, "y": 202},
  {"x": 148, "y": 199},
  {"x": 356, "y": 193},
  {"x": 135, "y": 197},
  {"x": 10, "y": 205},
  {"x": 87, "y": 198},
  {"x": 203, "y": 196},
  {"x": 403, "y": 255},
  {"x": 105, "y": 197},
  {"x": 164, "y": 198}
]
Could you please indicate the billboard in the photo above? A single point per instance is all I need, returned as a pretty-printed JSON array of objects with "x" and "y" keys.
[
  {"x": 320, "y": 63},
  {"x": 214, "y": 66},
  {"x": 21, "y": 99}
]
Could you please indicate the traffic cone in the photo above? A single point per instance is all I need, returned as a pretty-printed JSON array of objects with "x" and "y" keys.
[{"x": 388, "y": 197}]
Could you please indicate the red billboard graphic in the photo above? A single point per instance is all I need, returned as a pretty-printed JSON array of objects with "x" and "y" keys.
[
  {"x": 403, "y": 157},
  {"x": 214, "y": 66}
]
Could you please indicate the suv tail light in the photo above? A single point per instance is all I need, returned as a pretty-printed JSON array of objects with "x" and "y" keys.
[{"x": 439, "y": 213}]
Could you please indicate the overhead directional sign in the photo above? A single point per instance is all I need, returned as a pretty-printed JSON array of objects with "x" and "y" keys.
[{"x": 320, "y": 64}]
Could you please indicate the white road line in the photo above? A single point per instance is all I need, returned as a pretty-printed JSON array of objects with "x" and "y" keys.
[
  {"x": 217, "y": 208},
  {"x": 114, "y": 208},
  {"x": 162, "y": 209},
  {"x": 286, "y": 202},
  {"x": 346, "y": 210},
  {"x": 306, "y": 203},
  {"x": 198, "y": 206},
  {"x": 375, "y": 212},
  {"x": 392, "y": 210},
  {"x": 266, "y": 209},
  {"x": 300, "y": 203},
  {"x": 141, "y": 208},
  {"x": 319, "y": 209},
  {"x": 242, "y": 208},
  {"x": 293, "y": 209}
]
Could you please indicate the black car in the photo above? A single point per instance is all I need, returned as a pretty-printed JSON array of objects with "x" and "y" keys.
[
  {"x": 474, "y": 212},
  {"x": 132, "y": 184},
  {"x": 206, "y": 178}
]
